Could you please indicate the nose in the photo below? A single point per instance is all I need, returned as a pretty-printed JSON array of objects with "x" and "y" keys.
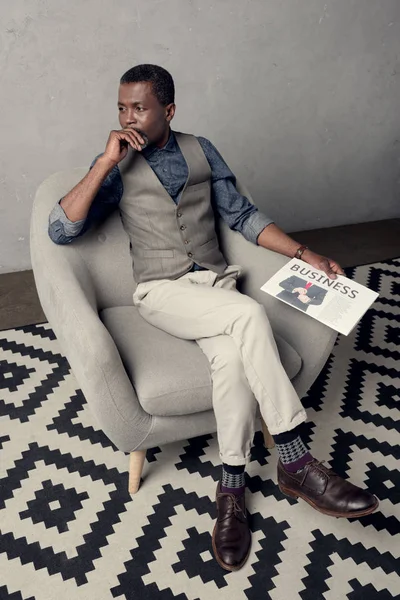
[{"x": 131, "y": 118}]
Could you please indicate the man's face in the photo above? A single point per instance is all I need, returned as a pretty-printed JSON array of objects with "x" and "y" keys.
[{"x": 140, "y": 109}]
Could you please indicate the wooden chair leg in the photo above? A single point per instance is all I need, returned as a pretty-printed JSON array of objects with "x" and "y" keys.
[
  {"x": 136, "y": 462},
  {"x": 268, "y": 439}
]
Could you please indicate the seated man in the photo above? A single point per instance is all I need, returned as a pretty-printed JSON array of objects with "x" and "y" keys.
[{"x": 168, "y": 187}]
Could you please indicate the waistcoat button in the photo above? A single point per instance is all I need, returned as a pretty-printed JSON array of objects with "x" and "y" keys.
[
  {"x": 179, "y": 214},
  {"x": 183, "y": 227},
  {"x": 187, "y": 241},
  {"x": 190, "y": 254}
]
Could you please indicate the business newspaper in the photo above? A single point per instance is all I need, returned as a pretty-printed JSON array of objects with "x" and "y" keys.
[{"x": 339, "y": 303}]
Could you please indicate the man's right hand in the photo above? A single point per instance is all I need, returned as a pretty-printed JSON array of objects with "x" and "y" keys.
[
  {"x": 118, "y": 143},
  {"x": 77, "y": 202}
]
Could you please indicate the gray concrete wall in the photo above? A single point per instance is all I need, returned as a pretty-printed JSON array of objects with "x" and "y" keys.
[{"x": 300, "y": 96}]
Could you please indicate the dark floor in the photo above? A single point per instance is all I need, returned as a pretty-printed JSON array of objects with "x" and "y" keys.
[
  {"x": 350, "y": 245},
  {"x": 354, "y": 245},
  {"x": 19, "y": 302}
]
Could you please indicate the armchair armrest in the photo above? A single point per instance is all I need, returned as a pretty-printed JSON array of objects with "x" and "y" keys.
[
  {"x": 68, "y": 299},
  {"x": 311, "y": 339}
]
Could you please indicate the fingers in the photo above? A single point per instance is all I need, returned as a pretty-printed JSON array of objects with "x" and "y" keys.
[
  {"x": 337, "y": 268},
  {"x": 334, "y": 269},
  {"x": 139, "y": 137},
  {"x": 325, "y": 266},
  {"x": 330, "y": 267},
  {"x": 133, "y": 138}
]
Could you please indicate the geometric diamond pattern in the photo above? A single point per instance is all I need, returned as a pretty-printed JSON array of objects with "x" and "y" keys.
[
  {"x": 54, "y": 506},
  {"x": 69, "y": 528}
]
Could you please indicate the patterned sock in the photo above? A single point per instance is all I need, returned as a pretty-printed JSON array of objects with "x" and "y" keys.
[
  {"x": 292, "y": 451},
  {"x": 233, "y": 479}
]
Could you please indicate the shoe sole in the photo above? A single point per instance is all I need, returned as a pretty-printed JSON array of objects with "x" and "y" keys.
[
  {"x": 359, "y": 513},
  {"x": 221, "y": 562}
]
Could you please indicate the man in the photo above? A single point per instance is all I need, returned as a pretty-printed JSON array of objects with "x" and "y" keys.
[
  {"x": 300, "y": 293},
  {"x": 168, "y": 187}
]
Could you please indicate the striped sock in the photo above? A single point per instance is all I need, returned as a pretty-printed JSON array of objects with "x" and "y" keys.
[
  {"x": 292, "y": 451},
  {"x": 233, "y": 481}
]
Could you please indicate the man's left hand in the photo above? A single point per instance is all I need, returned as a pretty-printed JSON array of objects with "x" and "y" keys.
[{"x": 329, "y": 266}]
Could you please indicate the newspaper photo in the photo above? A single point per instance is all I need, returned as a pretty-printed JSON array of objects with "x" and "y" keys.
[{"x": 339, "y": 303}]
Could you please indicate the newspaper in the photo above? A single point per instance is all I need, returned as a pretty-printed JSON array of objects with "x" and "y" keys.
[{"x": 339, "y": 303}]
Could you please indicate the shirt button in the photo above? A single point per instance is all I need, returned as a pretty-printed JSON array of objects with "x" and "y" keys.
[
  {"x": 190, "y": 254},
  {"x": 183, "y": 227}
]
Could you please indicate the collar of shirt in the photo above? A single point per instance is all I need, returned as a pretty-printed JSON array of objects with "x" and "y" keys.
[{"x": 152, "y": 150}]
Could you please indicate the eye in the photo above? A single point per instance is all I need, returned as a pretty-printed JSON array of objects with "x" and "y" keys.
[
  {"x": 140, "y": 108},
  {"x": 120, "y": 108}
]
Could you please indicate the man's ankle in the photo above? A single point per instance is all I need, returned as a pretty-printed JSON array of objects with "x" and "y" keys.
[
  {"x": 233, "y": 479},
  {"x": 298, "y": 465},
  {"x": 293, "y": 453}
]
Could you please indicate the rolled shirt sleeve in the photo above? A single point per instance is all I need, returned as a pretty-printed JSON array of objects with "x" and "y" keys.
[
  {"x": 63, "y": 231},
  {"x": 236, "y": 210}
]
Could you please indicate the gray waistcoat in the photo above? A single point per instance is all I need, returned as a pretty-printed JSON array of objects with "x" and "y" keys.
[{"x": 166, "y": 238}]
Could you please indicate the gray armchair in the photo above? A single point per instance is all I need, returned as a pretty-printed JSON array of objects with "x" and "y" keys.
[{"x": 144, "y": 387}]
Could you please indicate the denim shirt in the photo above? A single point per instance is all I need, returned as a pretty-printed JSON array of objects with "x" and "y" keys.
[{"x": 171, "y": 169}]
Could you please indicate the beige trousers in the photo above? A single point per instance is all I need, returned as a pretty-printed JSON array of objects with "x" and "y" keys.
[{"x": 234, "y": 333}]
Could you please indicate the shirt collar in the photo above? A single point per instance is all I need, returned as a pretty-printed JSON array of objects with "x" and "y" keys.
[{"x": 170, "y": 146}]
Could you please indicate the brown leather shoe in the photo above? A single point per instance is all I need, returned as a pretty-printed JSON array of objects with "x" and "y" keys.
[
  {"x": 325, "y": 491},
  {"x": 231, "y": 537}
]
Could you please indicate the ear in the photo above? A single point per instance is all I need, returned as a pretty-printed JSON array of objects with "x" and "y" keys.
[{"x": 169, "y": 112}]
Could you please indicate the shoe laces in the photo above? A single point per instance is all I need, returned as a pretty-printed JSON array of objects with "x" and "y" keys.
[
  {"x": 237, "y": 509},
  {"x": 318, "y": 465}
]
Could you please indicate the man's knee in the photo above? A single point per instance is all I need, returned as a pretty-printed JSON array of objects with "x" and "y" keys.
[
  {"x": 228, "y": 360},
  {"x": 255, "y": 312}
]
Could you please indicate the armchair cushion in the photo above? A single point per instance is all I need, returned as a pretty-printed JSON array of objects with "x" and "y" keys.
[{"x": 171, "y": 376}]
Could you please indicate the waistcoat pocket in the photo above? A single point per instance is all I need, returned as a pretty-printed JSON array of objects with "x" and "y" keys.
[
  {"x": 210, "y": 243},
  {"x": 156, "y": 253}
]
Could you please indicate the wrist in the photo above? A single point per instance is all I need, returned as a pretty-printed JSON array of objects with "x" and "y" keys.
[
  {"x": 300, "y": 252},
  {"x": 106, "y": 163},
  {"x": 306, "y": 254}
]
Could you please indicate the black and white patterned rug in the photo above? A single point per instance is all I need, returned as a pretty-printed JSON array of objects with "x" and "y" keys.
[{"x": 70, "y": 530}]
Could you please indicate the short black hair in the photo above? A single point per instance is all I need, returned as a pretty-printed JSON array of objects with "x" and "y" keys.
[{"x": 161, "y": 80}]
